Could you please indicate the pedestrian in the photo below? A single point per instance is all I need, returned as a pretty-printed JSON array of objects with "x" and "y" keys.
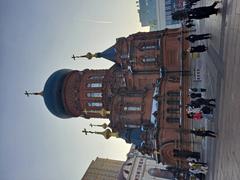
[
  {"x": 203, "y": 133},
  {"x": 196, "y": 13},
  {"x": 197, "y": 171},
  {"x": 207, "y": 102},
  {"x": 199, "y": 48},
  {"x": 197, "y": 90},
  {"x": 195, "y": 104},
  {"x": 190, "y": 109},
  {"x": 196, "y": 37},
  {"x": 189, "y": 25},
  {"x": 197, "y": 116},
  {"x": 203, "y": 12},
  {"x": 192, "y": 160},
  {"x": 206, "y": 110},
  {"x": 198, "y": 165},
  {"x": 195, "y": 95}
]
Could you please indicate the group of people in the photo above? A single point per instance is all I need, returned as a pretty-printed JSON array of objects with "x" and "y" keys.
[
  {"x": 196, "y": 13},
  {"x": 196, "y": 168},
  {"x": 188, "y": 14},
  {"x": 199, "y": 107}
]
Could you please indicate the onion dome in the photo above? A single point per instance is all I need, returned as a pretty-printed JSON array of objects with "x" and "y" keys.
[
  {"x": 132, "y": 136},
  {"x": 53, "y": 94}
]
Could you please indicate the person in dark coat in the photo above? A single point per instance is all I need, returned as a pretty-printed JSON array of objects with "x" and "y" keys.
[
  {"x": 197, "y": 90},
  {"x": 203, "y": 133},
  {"x": 194, "y": 104},
  {"x": 207, "y": 102},
  {"x": 180, "y": 14},
  {"x": 199, "y": 48},
  {"x": 207, "y": 110},
  {"x": 203, "y": 12},
  {"x": 196, "y": 37},
  {"x": 195, "y": 95}
]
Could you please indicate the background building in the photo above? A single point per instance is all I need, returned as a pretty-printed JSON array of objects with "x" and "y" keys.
[
  {"x": 143, "y": 168},
  {"x": 103, "y": 169},
  {"x": 157, "y": 13}
]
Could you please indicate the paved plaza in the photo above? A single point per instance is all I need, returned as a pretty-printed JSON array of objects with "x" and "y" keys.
[{"x": 220, "y": 74}]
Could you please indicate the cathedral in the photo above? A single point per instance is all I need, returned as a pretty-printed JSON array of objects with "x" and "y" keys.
[{"x": 143, "y": 94}]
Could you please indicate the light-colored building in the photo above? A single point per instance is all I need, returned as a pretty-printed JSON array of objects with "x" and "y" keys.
[
  {"x": 103, "y": 169},
  {"x": 157, "y": 13},
  {"x": 143, "y": 168}
]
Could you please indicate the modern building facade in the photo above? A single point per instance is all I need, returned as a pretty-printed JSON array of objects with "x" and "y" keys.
[
  {"x": 103, "y": 169},
  {"x": 142, "y": 94},
  {"x": 157, "y": 13}
]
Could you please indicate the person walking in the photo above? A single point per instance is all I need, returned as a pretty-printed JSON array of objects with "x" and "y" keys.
[
  {"x": 194, "y": 104},
  {"x": 207, "y": 102},
  {"x": 195, "y": 95},
  {"x": 203, "y": 133},
  {"x": 197, "y": 90},
  {"x": 195, "y": 115},
  {"x": 198, "y": 165},
  {"x": 206, "y": 110},
  {"x": 203, "y": 12},
  {"x": 199, "y": 48},
  {"x": 196, "y": 37},
  {"x": 196, "y": 13}
]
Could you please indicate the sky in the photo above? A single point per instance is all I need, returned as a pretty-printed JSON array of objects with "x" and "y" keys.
[{"x": 38, "y": 37}]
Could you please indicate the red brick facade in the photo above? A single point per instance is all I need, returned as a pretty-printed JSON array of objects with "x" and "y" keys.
[{"x": 126, "y": 90}]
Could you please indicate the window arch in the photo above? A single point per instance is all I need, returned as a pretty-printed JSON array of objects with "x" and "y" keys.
[
  {"x": 148, "y": 47},
  {"x": 96, "y": 77},
  {"x": 94, "y": 85},
  {"x": 132, "y": 108},
  {"x": 173, "y": 102},
  {"x": 95, "y": 104},
  {"x": 173, "y": 119},
  {"x": 94, "y": 94},
  {"x": 173, "y": 110},
  {"x": 149, "y": 59},
  {"x": 173, "y": 93},
  {"x": 174, "y": 79}
]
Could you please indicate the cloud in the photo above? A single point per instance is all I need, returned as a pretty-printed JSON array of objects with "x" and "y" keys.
[{"x": 96, "y": 21}]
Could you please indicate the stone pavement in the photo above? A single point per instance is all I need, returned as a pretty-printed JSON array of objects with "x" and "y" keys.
[{"x": 220, "y": 70}]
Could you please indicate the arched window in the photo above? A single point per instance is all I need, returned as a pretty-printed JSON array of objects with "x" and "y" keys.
[
  {"x": 94, "y": 85},
  {"x": 148, "y": 47},
  {"x": 173, "y": 79},
  {"x": 149, "y": 59},
  {"x": 173, "y": 110},
  {"x": 161, "y": 173},
  {"x": 94, "y": 94},
  {"x": 95, "y": 104},
  {"x": 96, "y": 77},
  {"x": 132, "y": 108},
  {"x": 173, "y": 102},
  {"x": 173, "y": 119},
  {"x": 173, "y": 93}
]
